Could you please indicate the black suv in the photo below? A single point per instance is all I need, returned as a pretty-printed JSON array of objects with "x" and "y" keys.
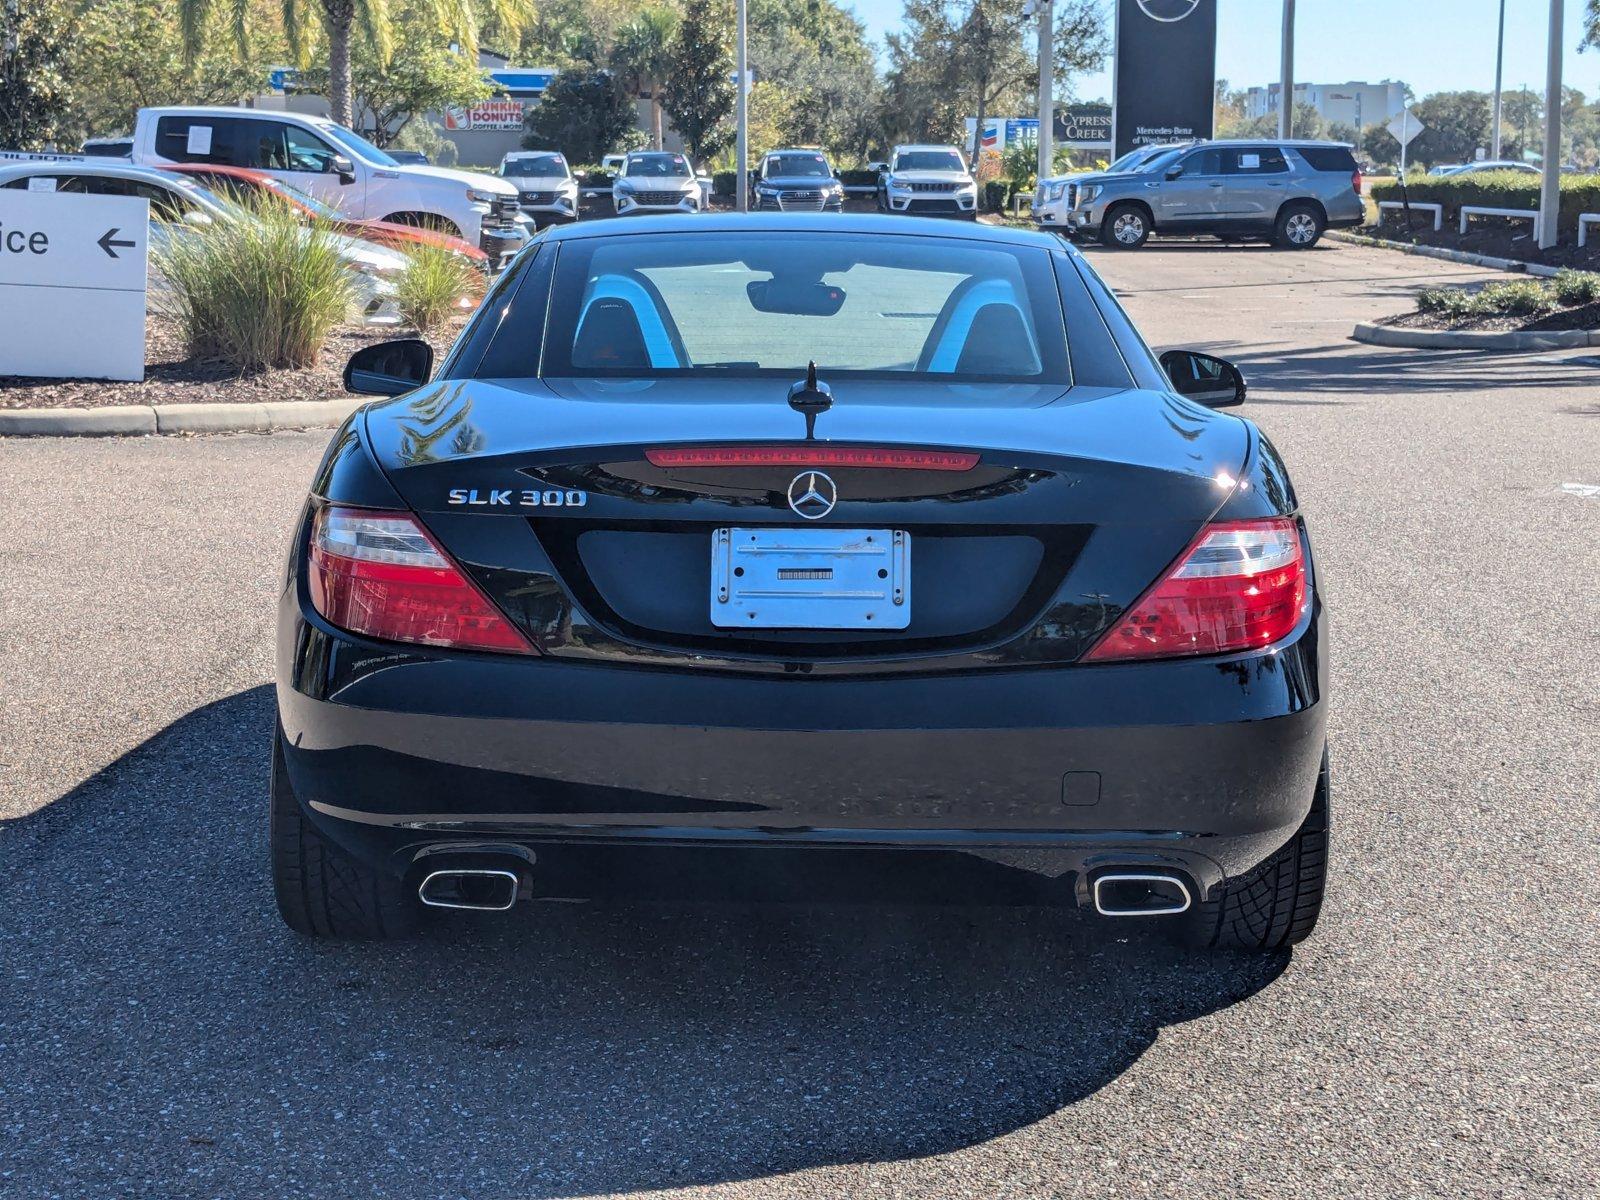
[{"x": 796, "y": 181}]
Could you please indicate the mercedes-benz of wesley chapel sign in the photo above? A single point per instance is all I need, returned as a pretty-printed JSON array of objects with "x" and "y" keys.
[
  {"x": 72, "y": 284},
  {"x": 1166, "y": 66}
]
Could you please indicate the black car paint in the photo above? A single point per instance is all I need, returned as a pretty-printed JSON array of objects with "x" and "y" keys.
[{"x": 1001, "y": 750}]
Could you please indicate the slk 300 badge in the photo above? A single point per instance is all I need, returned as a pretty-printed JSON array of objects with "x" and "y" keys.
[{"x": 518, "y": 498}]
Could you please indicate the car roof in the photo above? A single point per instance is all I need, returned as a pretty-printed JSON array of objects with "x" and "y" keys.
[
  {"x": 1273, "y": 141},
  {"x": 928, "y": 146},
  {"x": 853, "y": 223}
]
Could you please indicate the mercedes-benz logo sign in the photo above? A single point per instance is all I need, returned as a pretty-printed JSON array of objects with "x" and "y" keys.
[
  {"x": 1168, "y": 10},
  {"x": 812, "y": 495}
]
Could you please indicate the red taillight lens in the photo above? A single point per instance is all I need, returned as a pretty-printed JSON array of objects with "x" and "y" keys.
[
  {"x": 379, "y": 574},
  {"x": 1355, "y": 181},
  {"x": 1241, "y": 585},
  {"x": 813, "y": 456}
]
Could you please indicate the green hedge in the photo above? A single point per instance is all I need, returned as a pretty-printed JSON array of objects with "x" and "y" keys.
[
  {"x": 1497, "y": 189},
  {"x": 859, "y": 178},
  {"x": 725, "y": 183}
]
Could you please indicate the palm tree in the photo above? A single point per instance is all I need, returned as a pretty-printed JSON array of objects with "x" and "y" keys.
[
  {"x": 337, "y": 20},
  {"x": 643, "y": 55}
]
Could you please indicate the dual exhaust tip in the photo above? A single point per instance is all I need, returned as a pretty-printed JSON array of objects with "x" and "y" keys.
[
  {"x": 479, "y": 889},
  {"x": 1115, "y": 893},
  {"x": 1144, "y": 894}
]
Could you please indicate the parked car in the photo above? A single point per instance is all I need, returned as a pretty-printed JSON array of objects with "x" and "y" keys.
[
  {"x": 112, "y": 147},
  {"x": 1472, "y": 168},
  {"x": 796, "y": 181},
  {"x": 409, "y": 158},
  {"x": 1053, "y": 198},
  {"x": 928, "y": 181},
  {"x": 656, "y": 181},
  {"x": 1287, "y": 192},
  {"x": 338, "y": 167},
  {"x": 180, "y": 207},
  {"x": 547, "y": 190},
  {"x": 243, "y": 184},
  {"x": 1012, "y": 604}
]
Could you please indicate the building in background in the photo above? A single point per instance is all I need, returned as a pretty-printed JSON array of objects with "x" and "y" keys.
[{"x": 1355, "y": 103}]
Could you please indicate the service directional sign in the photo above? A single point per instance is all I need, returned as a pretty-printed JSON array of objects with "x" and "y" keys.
[{"x": 72, "y": 284}]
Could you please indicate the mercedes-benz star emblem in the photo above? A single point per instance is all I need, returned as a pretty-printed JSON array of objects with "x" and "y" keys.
[
  {"x": 812, "y": 495},
  {"x": 1168, "y": 10}
]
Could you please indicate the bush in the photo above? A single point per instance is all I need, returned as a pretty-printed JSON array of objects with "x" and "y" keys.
[
  {"x": 259, "y": 291},
  {"x": 725, "y": 183},
  {"x": 859, "y": 178},
  {"x": 1516, "y": 298},
  {"x": 994, "y": 195},
  {"x": 1446, "y": 302},
  {"x": 1497, "y": 189},
  {"x": 1577, "y": 287},
  {"x": 436, "y": 284}
]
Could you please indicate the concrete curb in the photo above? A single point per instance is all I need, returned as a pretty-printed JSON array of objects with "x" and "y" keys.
[
  {"x": 1469, "y": 339},
  {"x": 134, "y": 420},
  {"x": 1440, "y": 252}
]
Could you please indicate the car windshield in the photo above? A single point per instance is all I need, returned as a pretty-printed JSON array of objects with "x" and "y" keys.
[
  {"x": 793, "y": 165},
  {"x": 736, "y": 306},
  {"x": 1164, "y": 160},
  {"x": 354, "y": 141},
  {"x": 929, "y": 160},
  {"x": 657, "y": 166},
  {"x": 1129, "y": 160},
  {"x": 539, "y": 165}
]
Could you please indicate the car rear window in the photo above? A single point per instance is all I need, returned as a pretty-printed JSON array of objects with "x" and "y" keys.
[
  {"x": 1328, "y": 158},
  {"x": 734, "y": 305}
]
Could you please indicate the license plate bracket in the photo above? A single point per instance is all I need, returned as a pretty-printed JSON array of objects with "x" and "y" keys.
[{"x": 787, "y": 578}]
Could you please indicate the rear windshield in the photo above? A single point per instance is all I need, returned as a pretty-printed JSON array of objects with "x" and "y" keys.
[
  {"x": 732, "y": 305},
  {"x": 1328, "y": 158}
]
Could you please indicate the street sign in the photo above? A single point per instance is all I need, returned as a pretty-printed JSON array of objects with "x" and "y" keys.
[
  {"x": 72, "y": 285},
  {"x": 1164, "y": 71},
  {"x": 1405, "y": 126},
  {"x": 1084, "y": 126}
]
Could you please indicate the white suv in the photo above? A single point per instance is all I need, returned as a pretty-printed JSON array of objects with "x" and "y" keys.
[
  {"x": 549, "y": 193},
  {"x": 656, "y": 181},
  {"x": 338, "y": 167},
  {"x": 928, "y": 181}
]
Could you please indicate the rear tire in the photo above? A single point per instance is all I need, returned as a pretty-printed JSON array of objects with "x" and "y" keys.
[
  {"x": 1299, "y": 227},
  {"x": 1125, "y": 227},
  {"x": 1276, "y": 905},
  {"x": 321, "y": 890}
]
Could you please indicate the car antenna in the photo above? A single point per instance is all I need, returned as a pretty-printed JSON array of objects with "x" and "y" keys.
[{"x": 809, "y": 398}]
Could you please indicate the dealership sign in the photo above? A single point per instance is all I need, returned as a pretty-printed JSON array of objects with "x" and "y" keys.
[
  {"x": 487, "y": 114},
  {"x": 72, "y": 283},
  {"x": 1083, "y": 126},
  {"x": 1166, "y": 68}
]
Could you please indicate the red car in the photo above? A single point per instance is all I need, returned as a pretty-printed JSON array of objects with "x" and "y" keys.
[{"x": 241, "y": 182}]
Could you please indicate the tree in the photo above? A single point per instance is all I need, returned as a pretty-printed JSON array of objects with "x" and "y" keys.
[
  {"x": 584, "y": 114},
  {"x": 818, "y": 54},
  {"x": 35, "y": 91},
  {"x": 1378, "y": 144},
  {"x": 643, "y": 56},
  {"x": 1457, "y": 124},
  {"x": 699, "y": 96},
  {"x": 422, "y": 74},
  {"x": 973, "y": 56},
  {"x": 334, "y": 22}
]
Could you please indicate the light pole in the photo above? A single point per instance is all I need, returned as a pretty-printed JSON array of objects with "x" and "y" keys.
[
  {"x": 1047, "y": 13},
  {"x": 1286, "y": 93},
  {"x": 1550, "y": 193},
  {"x": 1499, "y": 64},
  {"x": 741, "y": 114}
]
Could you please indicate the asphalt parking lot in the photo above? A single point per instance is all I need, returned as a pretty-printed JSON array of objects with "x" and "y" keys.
[{"x": 161, "y": 1034}]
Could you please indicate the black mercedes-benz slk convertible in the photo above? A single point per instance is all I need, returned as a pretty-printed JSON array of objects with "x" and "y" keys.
[{"x": 752, "y": 549}]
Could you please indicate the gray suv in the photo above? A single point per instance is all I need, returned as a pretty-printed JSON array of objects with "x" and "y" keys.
[{"x": 1286, "y": 192}]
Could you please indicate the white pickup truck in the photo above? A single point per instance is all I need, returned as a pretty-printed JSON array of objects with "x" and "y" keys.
[{"x": 338, "y": 167}]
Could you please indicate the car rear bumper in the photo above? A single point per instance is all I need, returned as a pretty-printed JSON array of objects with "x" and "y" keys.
[{"x": 1205, "y": 767}]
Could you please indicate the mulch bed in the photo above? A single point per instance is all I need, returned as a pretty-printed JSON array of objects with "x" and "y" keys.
[
  {"x": 1582, "y": 316},
  {"x": 1490, "y": 236},
  {"x": 172, "y": 377}
]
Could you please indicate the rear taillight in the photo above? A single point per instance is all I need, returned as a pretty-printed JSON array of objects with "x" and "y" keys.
[
  {"x": 379, "y": 574},
  {"x": 1355, "y": 180},
  {"x": 1241, "y": 585},
  {"x": 814, "y": 456}
]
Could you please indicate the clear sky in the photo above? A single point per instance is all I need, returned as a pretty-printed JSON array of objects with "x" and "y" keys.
[{"x": 1434, "y": 45}]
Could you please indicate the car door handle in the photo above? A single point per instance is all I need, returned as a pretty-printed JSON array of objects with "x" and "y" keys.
[{"x": 1218, "y": 183}]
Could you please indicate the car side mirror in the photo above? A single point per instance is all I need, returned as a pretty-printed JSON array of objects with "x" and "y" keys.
[
  {"x": 1174, "y": 172},
  {"x": 389, "y": 368},
  {"x": 1204, "y": 378},
  {"x": 344, "y": 169}
]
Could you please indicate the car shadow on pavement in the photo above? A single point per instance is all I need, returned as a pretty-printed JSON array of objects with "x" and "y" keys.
[{"x": 162, "y": 1031}]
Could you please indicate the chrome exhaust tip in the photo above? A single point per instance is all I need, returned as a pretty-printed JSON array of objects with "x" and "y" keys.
[
  {"x": 479, "y": 890},
  {"x": 1118, "y": 894}
]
